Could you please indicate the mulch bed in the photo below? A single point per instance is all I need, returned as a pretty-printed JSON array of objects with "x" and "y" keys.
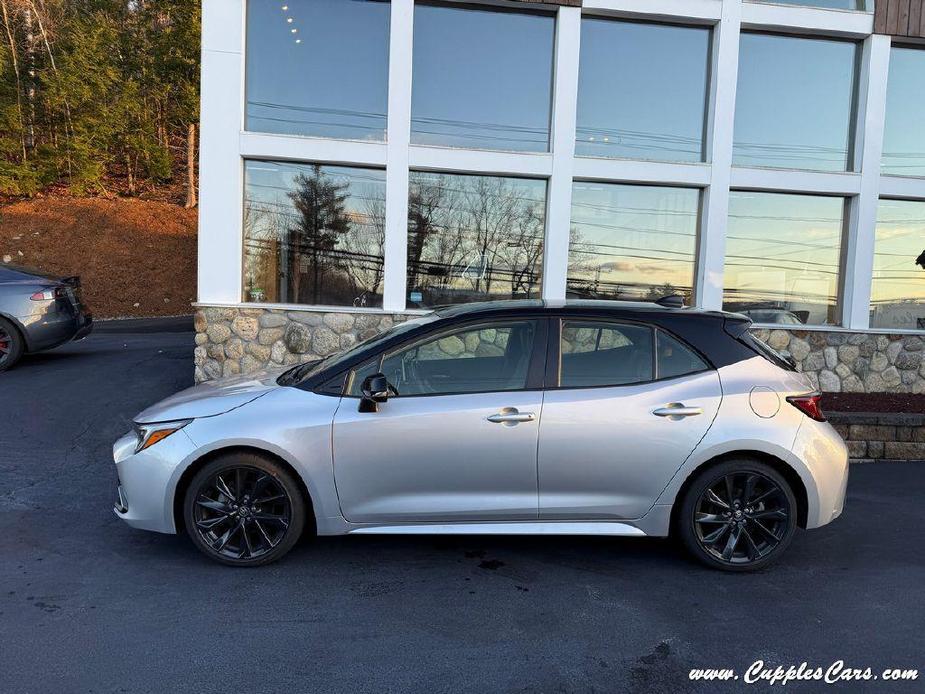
[
  {"x": 135, "y": 257},
  {"x": 905, "y": 403}
]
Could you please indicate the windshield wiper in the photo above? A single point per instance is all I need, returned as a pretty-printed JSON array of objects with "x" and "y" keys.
[{"x": 299, "y": 371}]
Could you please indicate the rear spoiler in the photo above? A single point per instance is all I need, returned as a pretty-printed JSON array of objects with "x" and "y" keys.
[{"x": 736, "y": 325}]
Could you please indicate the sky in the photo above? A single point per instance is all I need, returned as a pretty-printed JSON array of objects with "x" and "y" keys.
[
  {"x": 294, "y": 86},
  {"x": 794, "y": 102}
]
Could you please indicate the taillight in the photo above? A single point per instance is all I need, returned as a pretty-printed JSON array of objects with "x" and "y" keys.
[
  {"x": 810, "y": 405},
  {"x": 48, "y": 294}
]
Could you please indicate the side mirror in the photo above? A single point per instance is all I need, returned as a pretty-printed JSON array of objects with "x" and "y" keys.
[{"x": 375, "y": 389}]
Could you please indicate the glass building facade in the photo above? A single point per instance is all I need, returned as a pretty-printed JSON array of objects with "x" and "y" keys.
[{"x": 399, "y": 155}]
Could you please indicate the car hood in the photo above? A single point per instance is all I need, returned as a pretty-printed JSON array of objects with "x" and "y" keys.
[{"x": 212, "y": 398}]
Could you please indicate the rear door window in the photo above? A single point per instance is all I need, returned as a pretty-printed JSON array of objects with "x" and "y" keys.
[{"x": 602, "y": 353}]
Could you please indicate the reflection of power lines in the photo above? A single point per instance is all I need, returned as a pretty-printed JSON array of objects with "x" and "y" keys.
[
  {"x": 618, "y": 287},
  {"x": 363, "y": 271},
  {"x": 449, "y": 273},
  {"x": 781, "y": 296},
  {"x": 339, "y": 118}
]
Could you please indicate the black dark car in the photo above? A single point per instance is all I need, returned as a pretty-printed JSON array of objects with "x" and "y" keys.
[{"x": 38, "y": 312}]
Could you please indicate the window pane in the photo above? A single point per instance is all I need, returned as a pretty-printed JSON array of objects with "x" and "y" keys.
[
  {"x": 325, "y": 73},
  {"x": 831, "y": 4},
  {"x": 676, "y": 359},
  {"x": 904, "y": 131},
  {"x": 632, "y": 242},
  {"x": 604, "y": 354},
  {"x": 619, "y": 112},
  {"x": 360, "y": 374},
  {"x": 482, "y": 79},
  {"x": 476, "y": 359},
  {"x": 794, "y": 103},
  {"x": 313, "y": 234},
  {"x": 474, "y": 238},
  {"x": 782, "y": 255},
  {"x": 897, "y": 294}
]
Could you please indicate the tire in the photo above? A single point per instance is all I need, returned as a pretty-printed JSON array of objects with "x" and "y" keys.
[
  {"x": 11, "y": 344},
  {"x": 232, "y": 527},
  {"x": 758, "y": 529}
]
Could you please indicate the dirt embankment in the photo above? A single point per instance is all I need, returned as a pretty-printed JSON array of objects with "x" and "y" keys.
[{"x": 134, "y": 257}]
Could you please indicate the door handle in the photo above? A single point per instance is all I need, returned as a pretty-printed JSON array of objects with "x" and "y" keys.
[
  {"x": 509, "y": 416},
  {"x": 676, "y": 411}
]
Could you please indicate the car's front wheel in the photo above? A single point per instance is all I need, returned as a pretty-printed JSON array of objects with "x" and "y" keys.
[
  {"x": 739, "y": 515},
  {"x": 11, "y": 344},
  {"x": 244, "y": 510}
]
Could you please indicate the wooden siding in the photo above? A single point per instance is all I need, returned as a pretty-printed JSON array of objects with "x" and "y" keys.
[{"x": 900, "y": 18}]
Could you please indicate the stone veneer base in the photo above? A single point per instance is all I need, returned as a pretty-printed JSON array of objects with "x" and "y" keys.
[
  {"x": 233, "y": 340},
  {"x": 881, "y": 436}
]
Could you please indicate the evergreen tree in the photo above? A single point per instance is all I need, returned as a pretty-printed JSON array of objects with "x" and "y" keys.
[
  {"x": 322, "y": 220},
  {"x": 97, "y": 94}
]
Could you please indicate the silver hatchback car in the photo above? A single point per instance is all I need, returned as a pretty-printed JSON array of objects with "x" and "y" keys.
[{"x": 518, "y": 417}]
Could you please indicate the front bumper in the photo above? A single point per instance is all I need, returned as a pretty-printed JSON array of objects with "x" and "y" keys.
[
  {"x": 121, "y": 504},
  {"x": 148, "y": 480}
]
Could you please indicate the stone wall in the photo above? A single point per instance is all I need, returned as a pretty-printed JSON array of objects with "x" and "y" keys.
[
  {"x": 881, "y": 436},
  {"x": 854, "y": 362},
  {"x": 232, "y": 341},
  {"x": 243, "y": 340}
]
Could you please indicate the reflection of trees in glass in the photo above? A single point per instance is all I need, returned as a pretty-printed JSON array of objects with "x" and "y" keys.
[
  {"x": 365, "y": 235},
  {"x": 668, "y": 289},
  {"x": 474, "y": 237},
  {"x": 322, "y": 218},
  {"x": 318, "y": 242}
]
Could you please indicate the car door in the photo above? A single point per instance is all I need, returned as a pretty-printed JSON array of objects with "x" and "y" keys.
[
  {"x": 458, "y": 441},
  {"x": 629, "y": 403}
]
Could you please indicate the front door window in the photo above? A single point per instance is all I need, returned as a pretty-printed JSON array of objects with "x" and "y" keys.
[{"x": 482, "y": 358}]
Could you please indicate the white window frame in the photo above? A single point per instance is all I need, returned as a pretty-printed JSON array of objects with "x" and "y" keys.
[{"x": 225, "y": 145}]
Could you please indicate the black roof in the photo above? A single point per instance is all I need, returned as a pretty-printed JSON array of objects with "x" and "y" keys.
[{"x": 581, "y": 306}]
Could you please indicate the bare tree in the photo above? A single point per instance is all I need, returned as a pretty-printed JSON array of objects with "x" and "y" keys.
[{"x": 14, "y": 57}]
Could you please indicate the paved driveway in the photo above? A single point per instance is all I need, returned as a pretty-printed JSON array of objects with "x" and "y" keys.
[{"x": 87, "y": 604}]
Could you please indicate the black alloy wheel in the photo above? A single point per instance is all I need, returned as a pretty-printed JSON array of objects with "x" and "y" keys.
[
  {"x": 739, "y": 516},
  {"x": 11, "y": 346},
  {"x": 244, "y": 510}
]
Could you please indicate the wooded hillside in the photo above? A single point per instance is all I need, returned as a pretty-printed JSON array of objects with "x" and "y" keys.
[{"x": 99, "y": 96}]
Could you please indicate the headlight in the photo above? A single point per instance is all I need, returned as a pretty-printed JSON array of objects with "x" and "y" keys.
[{"x": 150, "y": 434}]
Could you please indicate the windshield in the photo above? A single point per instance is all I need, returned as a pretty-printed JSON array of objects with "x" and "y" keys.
[{"x": 302, "y": 371}]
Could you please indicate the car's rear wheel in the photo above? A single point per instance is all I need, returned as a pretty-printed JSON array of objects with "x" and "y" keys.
[
  {"x": 244, "y": 510},
  {"x": 738, "y": 516},
  {"x": 11, "y": 344}
]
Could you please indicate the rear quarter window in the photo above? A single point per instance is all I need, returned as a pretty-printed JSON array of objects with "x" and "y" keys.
[
  {"x": 675, "y": 358},
  {"x": 765, "y": 350}
]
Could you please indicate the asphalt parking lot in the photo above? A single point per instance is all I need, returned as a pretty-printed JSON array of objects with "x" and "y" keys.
[{"x": 90, "y": 605}]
